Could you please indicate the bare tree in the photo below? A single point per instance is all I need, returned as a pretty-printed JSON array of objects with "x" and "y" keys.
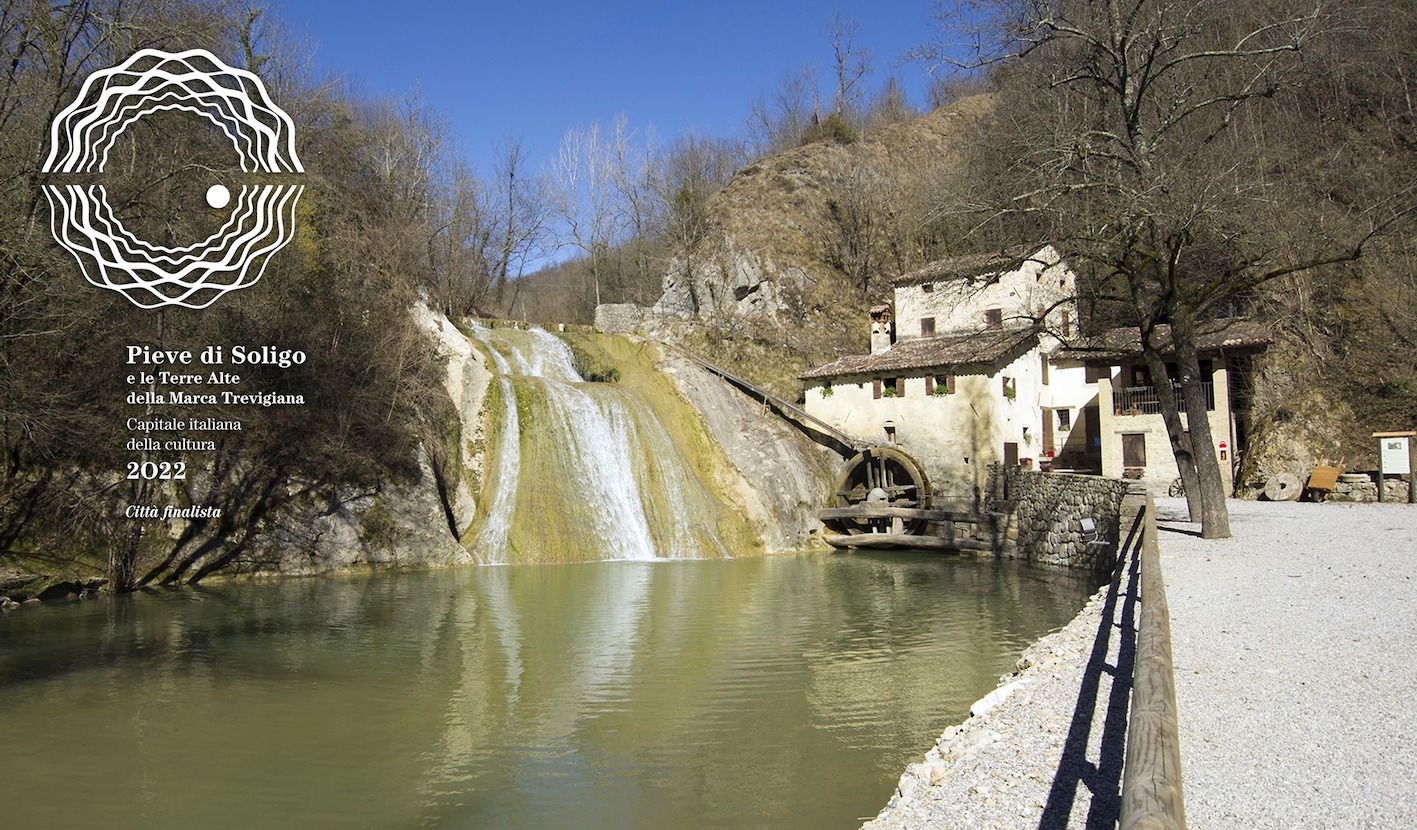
[
  {"x": 633, "y": 173},
  {"x": 694, "y": 168},
  {"x": 888, "y": 106},
  {"x": 860, "y": 207},
  {"x": 850, "y": 64},
  {"x": 778, "y": 120},
  {"x": 522, "y": 200},
  {"x": 1118, "y": 138},
  {"x": 582, "y": 175}
]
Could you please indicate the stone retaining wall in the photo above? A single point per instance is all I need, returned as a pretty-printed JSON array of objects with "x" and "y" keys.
[
  {"x": 1361, "y": 487},
  {"x": 1039, "y": 516},
  {"x": 619, "y": 318}
]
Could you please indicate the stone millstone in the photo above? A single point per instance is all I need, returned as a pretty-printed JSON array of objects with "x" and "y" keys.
[{"x": 1283, "y": 487}]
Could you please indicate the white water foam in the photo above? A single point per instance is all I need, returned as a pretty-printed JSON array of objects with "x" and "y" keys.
[
  {"x": 611, "y": 453},
  {"x": 490, "y": 545}
]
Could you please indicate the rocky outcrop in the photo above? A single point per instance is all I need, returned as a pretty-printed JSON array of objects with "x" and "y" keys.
[
  {"x": 396, "y": 526},
  {"x": 783, "y": 477},
  {"x": 727, "y": 282},
  {"x": 412, "y": 524},
  {"x": 784, "y": 234},
  {"x": 466, "y": 379}
]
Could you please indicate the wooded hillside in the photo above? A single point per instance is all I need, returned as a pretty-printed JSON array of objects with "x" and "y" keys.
[
  {"x": 340, "y": 292},
  {"x": 1264, "y": 168}
]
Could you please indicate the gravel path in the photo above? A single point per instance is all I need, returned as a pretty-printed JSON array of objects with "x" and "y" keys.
[
  {"x": 1295, "y": 681},
  {"x": 1294, "y": 645}
]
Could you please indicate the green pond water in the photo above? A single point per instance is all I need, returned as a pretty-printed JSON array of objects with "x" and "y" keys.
[{"x": 778, "y": 692}]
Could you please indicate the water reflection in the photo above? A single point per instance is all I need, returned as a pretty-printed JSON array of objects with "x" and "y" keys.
[{"x": 781, "y": 691}]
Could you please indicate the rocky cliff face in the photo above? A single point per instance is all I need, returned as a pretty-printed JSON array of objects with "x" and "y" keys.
[
  {"x": 466, "y": 380},
  {"x": 722, "y": 281},
  {"x": 400, "y": 525},
  {"x": 787, "y": 229},
  {"x": 782, "y": 478}
]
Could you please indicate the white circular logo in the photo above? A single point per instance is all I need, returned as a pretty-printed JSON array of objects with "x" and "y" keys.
[{"x": 261, "y": 222}]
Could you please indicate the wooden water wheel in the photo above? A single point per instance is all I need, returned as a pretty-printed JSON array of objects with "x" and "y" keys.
[{"x": 880, "y": 490}]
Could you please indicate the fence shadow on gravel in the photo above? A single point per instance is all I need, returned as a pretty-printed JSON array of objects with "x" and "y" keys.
[{"x": 1102, "y": 702}]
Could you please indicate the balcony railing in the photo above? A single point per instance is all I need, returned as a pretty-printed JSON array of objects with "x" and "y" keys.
[{"x": 1142, "y": 400}]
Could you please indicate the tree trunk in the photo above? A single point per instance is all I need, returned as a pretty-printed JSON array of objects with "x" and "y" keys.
[
  {"x": 1175, "y": 430},
  {"x": 1215, "y": 514},
  {"x": 1151, "y": 346}
]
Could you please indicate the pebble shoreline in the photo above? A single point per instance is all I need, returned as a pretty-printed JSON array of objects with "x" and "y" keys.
[{"x": 998, "y": 769}]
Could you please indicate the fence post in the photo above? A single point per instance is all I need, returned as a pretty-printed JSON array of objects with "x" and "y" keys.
[{"x": 1151, "y": 780}]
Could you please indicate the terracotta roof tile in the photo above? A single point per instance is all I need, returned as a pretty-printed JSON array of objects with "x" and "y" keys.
[
  {"x": 985, "y": 348},
  {"x": 1213, "y": 336},
  {"x": 973, "y": 266}
]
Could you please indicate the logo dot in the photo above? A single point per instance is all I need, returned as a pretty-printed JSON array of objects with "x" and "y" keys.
[{"x": 218, "y": 196}]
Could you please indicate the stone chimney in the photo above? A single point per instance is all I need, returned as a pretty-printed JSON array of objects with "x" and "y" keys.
[{"x": 882, "y": 329}]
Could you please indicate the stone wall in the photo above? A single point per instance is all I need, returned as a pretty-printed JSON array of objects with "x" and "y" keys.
[
  {"x": 619, "y": 318},
  {"x": 1039, "y": 516},
  {"x": 1363, "y": 487}
]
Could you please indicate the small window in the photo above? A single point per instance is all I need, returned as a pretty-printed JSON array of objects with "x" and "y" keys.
[
  {"x": 1134, "y": 449},
  {"x": 927, "y": 287},
  {"x": 927, "y": 327},
  {"x": 1065, "y": 419},
  {"x": 994, "y": 318},
  {"x": 1010, "y": 388},
  {"x": 876, "y": 388},
  {"x": 900, "y": 387}
]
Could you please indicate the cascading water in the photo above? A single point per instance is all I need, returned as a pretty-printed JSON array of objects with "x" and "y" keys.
[{"x": 584, "y": 470}]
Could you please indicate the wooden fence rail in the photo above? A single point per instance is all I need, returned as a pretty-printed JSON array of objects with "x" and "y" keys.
[{"x": 1151, "y": 781}]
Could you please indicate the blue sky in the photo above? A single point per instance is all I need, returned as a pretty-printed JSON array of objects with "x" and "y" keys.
[{"x": 535, "y": 69}]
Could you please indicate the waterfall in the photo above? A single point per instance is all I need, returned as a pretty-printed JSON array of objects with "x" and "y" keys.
[
  {"x": 493, "y": 534},
  {"x": 583, "y": 470}
]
